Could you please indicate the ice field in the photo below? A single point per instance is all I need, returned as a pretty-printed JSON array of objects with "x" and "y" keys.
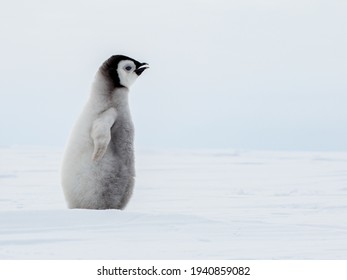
[{"x": 186, "y": 205}]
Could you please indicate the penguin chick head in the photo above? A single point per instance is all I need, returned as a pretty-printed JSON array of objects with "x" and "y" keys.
[{"x": 122, "y": 71}]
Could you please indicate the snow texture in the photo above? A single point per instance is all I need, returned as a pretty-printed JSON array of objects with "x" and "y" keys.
[{"x": 186, "y": 205}]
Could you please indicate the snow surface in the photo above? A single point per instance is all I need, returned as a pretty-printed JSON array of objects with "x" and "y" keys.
[{"x": 186, "y": 205}]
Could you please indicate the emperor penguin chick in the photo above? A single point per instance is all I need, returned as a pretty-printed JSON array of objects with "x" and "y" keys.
[{"x": 98, "y": 166}]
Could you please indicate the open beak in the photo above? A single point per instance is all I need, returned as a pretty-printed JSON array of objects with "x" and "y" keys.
[{"x": 141, "y": 68}]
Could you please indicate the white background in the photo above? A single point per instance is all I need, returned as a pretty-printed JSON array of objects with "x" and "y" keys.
[
  {"x": 260, "y": 270},
  {"x": 224, "y": 74}
]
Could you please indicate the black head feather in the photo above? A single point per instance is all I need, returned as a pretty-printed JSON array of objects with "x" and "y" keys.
[{"x": 109, "y": 68}]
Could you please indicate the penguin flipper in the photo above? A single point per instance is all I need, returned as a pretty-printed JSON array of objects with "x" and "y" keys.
[{"x": 101, "y": 132}]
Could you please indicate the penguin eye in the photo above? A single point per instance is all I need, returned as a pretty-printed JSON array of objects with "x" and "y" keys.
[{"x": 128, "y": 68}]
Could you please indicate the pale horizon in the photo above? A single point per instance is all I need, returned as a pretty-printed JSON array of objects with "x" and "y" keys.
[{"x": 223, "y": 74}]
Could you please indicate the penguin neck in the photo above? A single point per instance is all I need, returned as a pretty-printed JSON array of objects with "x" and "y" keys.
[
  {"x": 103, "y": 92},
  {"x": 120, "y": 97}
]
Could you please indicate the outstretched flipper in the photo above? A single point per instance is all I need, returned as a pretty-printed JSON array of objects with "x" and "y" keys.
[{"x": 101, "y": 132}]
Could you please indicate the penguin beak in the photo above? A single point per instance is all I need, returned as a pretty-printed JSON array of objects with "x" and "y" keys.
[{"x": 141, "y": 68}]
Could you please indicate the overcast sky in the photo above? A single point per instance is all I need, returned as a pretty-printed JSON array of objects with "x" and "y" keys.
[{"x": 224, "y": 74}]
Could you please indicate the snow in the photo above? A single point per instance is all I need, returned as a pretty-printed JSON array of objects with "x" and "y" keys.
[{"x": 186, "y": 205}]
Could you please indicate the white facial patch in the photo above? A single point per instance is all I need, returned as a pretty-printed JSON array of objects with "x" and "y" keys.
[{"x": 126, "y": 73}]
